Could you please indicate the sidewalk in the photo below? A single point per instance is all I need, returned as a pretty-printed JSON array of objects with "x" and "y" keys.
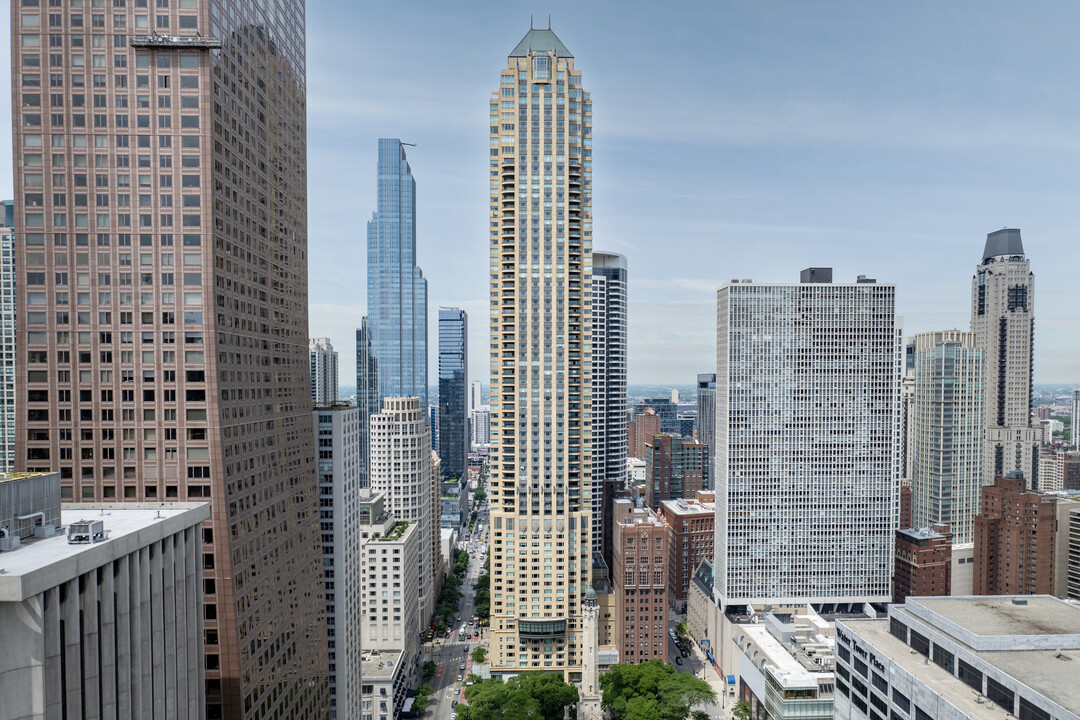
[{"x": 723, "y": 701}]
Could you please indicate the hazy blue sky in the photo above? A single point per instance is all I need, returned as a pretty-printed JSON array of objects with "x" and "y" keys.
[{"x": 731, "y": 140}]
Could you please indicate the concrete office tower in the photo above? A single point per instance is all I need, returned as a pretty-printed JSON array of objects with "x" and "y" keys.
[
  {"x": 7, "y": 338},
  {"x": 338, "y": 430},
  {"x": 396, "y": 288},
  {"x": 541, "y": 356},
  {"x": 947, "y": 431},
  {"x": 476, "y": 395},
  {"x": 674, "y": 468},
  {"x": 453, "y": 378},
  {"x": 706, "y": 417},
  {"x": 639, "y": 577},
  {"x": 609, "y": 315},
  {"x": 807, "y": 441},
  {"x": 103, "y": 620},
  {"x": 1014, "y": 539},
  {"x": 962, "y": 658},
  {"x": 401, "y": 469},
  {"x": 389, "y": 614},
  {"x": 162, "y": 235},
  {"x": 481, "y": 426},
  {"x": 323, "y": 360},
  {"x": 1074, "y": 428},
  {"x": 1003, "y": 321},
  {"x": 368, "y": 401}
]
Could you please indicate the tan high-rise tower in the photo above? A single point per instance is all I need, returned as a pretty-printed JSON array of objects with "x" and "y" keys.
[
  {"x": 161, "y": 229},
  {"x": 541, "y": 380},
  {"x": 1003, "y": 321}
]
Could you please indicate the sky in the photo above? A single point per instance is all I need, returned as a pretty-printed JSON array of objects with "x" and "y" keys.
[{"x": 731, "y": 140}]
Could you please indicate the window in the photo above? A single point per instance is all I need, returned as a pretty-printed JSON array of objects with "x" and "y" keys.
[
  {"x": 999, "y": 693},
  {"x": 970, "y": 676},
  {"x": 541, "y": 67},
  {"x": 1030, "y": 712},
  {"x": 943, "y": 658},
  {"x": 919, "y": 643},
  {"x": 898, "y": 630},
  {"x": 901, "y": 701}
]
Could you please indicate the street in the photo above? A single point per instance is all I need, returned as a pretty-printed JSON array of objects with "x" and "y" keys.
[
  {"x": 449, "y": 653},
  {"x": 699, "y": 665}
]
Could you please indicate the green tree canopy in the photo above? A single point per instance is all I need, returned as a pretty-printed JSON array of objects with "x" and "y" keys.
[
  {"x": 741, "y": 710},
  {"x": 479, "y": 654},
  {"x": 430, "y": 668},
  {"x": 673, "y": 693},
  {"x": 529, "y": 696}
]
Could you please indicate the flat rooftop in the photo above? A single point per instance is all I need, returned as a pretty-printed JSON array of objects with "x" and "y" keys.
[
  {"x": 41, "y": 563},
  {"x": 1043, "y": 671},
  {"x": 380, "y": 664},
  {"x": 971, "y": 618},
  {"x": 792, "y": 671}
]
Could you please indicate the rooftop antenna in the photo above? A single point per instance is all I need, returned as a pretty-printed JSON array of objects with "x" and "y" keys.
[
  {"x": 409, "y": 144},
  {"x": 549, "y": 22},
  {"x": 530, "y": 22}
]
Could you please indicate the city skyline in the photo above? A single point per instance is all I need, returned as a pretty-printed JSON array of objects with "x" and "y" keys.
[{"x": 803, "y": 157}]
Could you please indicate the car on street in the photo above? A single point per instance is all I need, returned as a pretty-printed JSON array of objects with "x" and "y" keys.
[
  {"x": 678, "y": 661},
  {"x": 684, "y": 653},
  {"x": 461, "y": 666},
  {"x": 453, "y": 716},
  {"x": 459, "y": 677}
]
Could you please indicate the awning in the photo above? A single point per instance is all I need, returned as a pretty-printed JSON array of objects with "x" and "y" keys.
[{"x": 730, "y": 679}]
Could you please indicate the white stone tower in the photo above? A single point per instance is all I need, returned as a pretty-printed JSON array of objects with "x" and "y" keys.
[{"x": 589, "y": 704}]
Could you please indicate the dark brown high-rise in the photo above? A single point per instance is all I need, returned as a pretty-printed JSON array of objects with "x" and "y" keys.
[
  {"x": 674, "y": 468},
  {"x": 923, "y": 565},
  {"x": 161, "y": 227},
  {"x": 1014, "y": 540}
]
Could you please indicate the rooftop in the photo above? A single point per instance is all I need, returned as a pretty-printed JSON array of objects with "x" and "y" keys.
[
  {"x": 41, "y": 563},
  {"x": 540, "y": 40},
  {"x": 687, "y": 507},
  {"x": 996, "y": 622},
  {"x": 924, "y": 533},
  {"x": 378, "y": 665},
  {"x": 1043, "y": 671},
  {"x": 1003, "y": 242}
]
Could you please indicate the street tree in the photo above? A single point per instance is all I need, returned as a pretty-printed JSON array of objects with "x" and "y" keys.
[
  {"x": 479, "y": 654},
  {"x": 674, "y": 693}
]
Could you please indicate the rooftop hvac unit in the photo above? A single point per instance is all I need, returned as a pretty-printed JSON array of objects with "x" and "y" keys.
[{"x": 86, "y": 532}]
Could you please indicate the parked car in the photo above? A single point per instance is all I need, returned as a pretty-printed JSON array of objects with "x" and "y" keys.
[
  {"x": 461, "y": 666},
  {"x": 678, "y": 661}
]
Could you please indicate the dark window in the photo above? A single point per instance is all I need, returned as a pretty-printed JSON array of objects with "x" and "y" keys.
[
  {"x": 898, "y": 630},
  {"x": 859, "y": 703},
  {"x": 919, "y": 643},
  {"x": 843, "y": 672},
  {"x": 920, "y": 714},
  {"x": 860, "y": 667},
  {"x": 901, "y": 701},
  {"x": 842, "y": 687},
  {"x": 859, "y": 685},
  {"x": 944, "y": 658},
  {"x": 880, "y": 704},
  {"x": 999, "y": 693},
  {"x": 1030, "y": 712},
  {"x": 844, "y": 653},
  {"x": 970, "y": 676},
  {"x": 880, "y": 683}
]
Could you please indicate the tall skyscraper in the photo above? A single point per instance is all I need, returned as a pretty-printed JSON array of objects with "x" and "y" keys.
[
  {"x": 541, "y": 372},
  {"x": 401, "y": 469},
  {"x": 706, "y": 417},
  {"x": 453, "y": 379},
  {"x": 8, "y": 351},
  {"x": 164, "y": 310},
  {"x": 1074, "y": 428},
  {"x": 1003, "y": 320},
  {"x": 807, "y": 431},
  {"x": 609, "y": 316},
  {"x": 947, "y": 432},
  {"x": 675, "y": 468},
  {"x": 396, "y": 288},
  {"x": 367, "y": 394},
  {"x": 476, "y": 395},
  {"x": 323, "y": 360},
  {"x": 337, "y": 428}
]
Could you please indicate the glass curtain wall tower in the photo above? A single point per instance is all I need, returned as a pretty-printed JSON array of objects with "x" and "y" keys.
[
  {"x": 453, "y": 382},
  {"x": 541, "y": 378},
  {"x": 161, "y": 227},
  {"x": 396, "y": 288}
]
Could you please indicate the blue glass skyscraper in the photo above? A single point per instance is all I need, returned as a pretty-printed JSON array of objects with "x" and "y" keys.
[{"x": 396, "y": 290}]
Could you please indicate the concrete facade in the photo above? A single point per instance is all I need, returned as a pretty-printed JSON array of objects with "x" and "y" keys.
[
  {"x": 963, "y": 658},
  {"x": 111, "y": 628}
]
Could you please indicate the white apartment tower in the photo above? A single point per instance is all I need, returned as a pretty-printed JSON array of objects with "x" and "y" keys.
[
  {"x": 337, "y": 436},
  {"x": 1003, "y": 320},
  {"x": 541, "y": 358},
  {"x": 7, "y": 342},
  {"x": 609, "y": 314},
  {"x": 476, "y": 395},
  {"x": 947, "y": 432},
  {"x": 807, "y": 433},
  {"x": 324, "y": 371},
  {"x": 401, "y": 469}
]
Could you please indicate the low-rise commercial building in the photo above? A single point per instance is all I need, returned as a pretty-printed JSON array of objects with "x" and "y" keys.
[
  {"x": 385, "y": 680},
  {"x": 958, "y": 658},
  {"x": 101, "y": 608}
]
